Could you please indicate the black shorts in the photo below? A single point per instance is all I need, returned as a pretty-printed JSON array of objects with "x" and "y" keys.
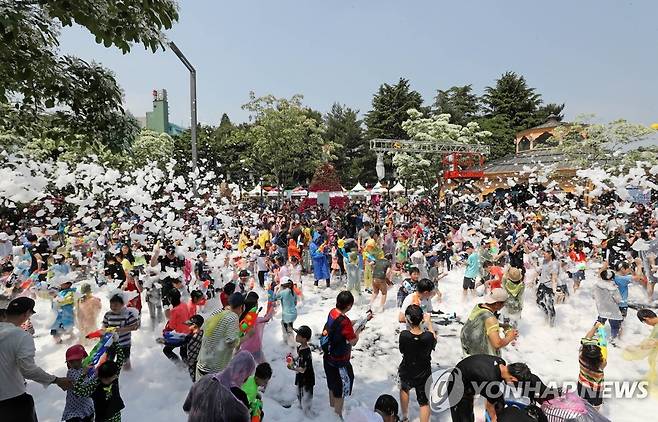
[
  {"x": 419, "y": 386},
  {"x": 340, "y": 380},
  {"x": 469, "y": 283},
  {"x": 18, "y": 409}
]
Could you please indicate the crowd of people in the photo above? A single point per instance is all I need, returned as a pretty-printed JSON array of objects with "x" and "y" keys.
[{"x": 211, "y": 298}]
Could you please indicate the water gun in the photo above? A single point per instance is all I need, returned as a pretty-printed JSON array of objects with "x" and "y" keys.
[
  {"x": 601, "y": 335},
  {"x": 290, "y": 361},
  {"x": 256, "y": 407},
  {"x": 173, "y": 338},
  {"x": 31, "y": 279},
  {"x": 99, "y": 350},
  {"x": 249, "y": 321}
]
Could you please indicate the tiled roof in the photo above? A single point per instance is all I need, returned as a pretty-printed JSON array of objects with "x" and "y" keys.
[{"x": 535, "y": 158}]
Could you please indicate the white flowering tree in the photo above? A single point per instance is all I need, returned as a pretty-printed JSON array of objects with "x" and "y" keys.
[
  {"x": 422, "y": 169},
  {"x": 152, "y": 146}
]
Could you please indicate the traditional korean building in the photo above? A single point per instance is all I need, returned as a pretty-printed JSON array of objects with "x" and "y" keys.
[{"x": 536, "y": 161}]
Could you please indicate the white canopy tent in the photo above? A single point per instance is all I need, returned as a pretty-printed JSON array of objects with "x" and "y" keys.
[
  {"x": 398, "y": 188},
  {"x": 255, "y": 191},
  {"x": 378, "y": 189},
  {"x": 359, "y": 190}
]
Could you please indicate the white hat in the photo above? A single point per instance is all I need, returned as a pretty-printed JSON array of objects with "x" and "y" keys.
[{"x": 495, "y": 296}]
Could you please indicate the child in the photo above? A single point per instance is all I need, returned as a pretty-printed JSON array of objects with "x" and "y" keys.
[
  {"x": 353, "y": 273},
  {"x": 78, "y": 408},
  {"x": 252, "y": 342},
  {"x": 251, "y": 387},
  {"x": 125, "y": 320},
  {"x": 295, "y": 269},
  {"x": 227, "y": 291},
  {"x": 262, "y": 265},
  {"x": 65, "y": 312},
  {"x": 408, "y": 285},
  {"x": 153, "y": 297},
  {"x": 288, "y": 300},
  {"x": 592, "y": 362},
  {"x": 193, "y": 343},
  {"x": 103, "y": 388},
  {"x": 243, "y": 279},
  {"x": 305, "y": 377},
  {"x": 89, "y": 307}
]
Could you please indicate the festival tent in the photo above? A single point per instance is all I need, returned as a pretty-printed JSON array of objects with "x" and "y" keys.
[
  {"x": 359, "y": 190},
  {"x": 378, "y": 189},
  {"x": 273, "y": 192},
  {"x": 398, "y": 188},
  {"x": 255, "y": 191},
  {"x": 299, "y": 192}
]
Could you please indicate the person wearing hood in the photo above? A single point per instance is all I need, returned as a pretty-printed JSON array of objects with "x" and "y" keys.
[
  {"x": 217, "y": 397},
  {"x": 17, "y": 364},
  {"x": 607, "y": 298},
  {"x": 319, "y": 258}
]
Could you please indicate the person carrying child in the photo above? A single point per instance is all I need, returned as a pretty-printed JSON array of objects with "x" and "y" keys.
[
  {"x": 305, "y": 375},
  {"x": 103, "y": 387},
  {"x": 77, "y": 408}
]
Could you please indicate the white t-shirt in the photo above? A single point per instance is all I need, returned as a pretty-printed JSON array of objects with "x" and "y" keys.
[
  {"x": 547, "y": 269},
  {"x": 425, "y": 305},
  {"x": 361, "y": 414}
]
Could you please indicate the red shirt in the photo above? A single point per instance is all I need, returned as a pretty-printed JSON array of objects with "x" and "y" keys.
[
  {"x": 223, "y": 297},
  {"x": 177, "y": 318},
  {"x": 347, "y": 332},
  {"x": 497, "y": 282}
]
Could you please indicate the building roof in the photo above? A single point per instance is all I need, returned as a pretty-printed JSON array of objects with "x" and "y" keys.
[
  {"x": 536, "y": 158},
  {"x": 551, "y": 123}
]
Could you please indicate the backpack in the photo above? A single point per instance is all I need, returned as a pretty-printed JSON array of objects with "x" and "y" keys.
[{"x": 331, "y": 336}]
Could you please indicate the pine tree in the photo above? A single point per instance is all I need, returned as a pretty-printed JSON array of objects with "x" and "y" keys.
[
  {"x": 389, "y": 110},
  {"x": 459, "y": 102}
]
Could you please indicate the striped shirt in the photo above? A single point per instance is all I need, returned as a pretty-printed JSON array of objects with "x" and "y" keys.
[
  {"x": 590, "y": 377},
  {"x": 221, "y": 332},
  {"x": 126, "y": 316}
]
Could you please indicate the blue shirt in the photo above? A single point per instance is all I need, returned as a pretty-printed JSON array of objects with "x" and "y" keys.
[
  {"x": 288, "y": 305},
  {"x": 472, "y": 266},
  {"x": 622, "y": 282}
]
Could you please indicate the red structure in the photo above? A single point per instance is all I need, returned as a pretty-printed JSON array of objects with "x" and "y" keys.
[{"x": 463, "y": 165}]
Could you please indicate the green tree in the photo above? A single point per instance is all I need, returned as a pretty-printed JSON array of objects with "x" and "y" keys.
[
  {"x": 354, "y": 160},
  {"x": 85, "y": 97},
  {"x": 501, "y": 141},
  {"x": 459, "y": 102},
  {"x": 389, "y": 110},
  {"x": 422, "y": 169},
  {"x": 287, "y": 142}
]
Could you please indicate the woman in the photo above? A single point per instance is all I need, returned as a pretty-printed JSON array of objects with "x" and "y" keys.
[
  {"x": 548, "y": 278},
  {"x": 218, "y": 397},
  {"x": 607, "y": 298}
]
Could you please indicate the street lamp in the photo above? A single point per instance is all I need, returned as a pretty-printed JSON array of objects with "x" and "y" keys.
[
  {"x": 261, "y": 191},
  {"x": 189, "y": 67}
]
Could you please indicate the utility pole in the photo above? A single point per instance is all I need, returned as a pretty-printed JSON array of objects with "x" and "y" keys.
[{"x": 189, "y": 67}]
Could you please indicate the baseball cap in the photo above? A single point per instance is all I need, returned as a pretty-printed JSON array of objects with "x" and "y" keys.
[
  {"x": 304, "y": 331},
  {"x": 75, "y": 352},
  {"x": 235, "y": 300},
  {"x": 20, "y": 305},
  {"x": 285, "y": 281},
  {"x": 496, "y": 295},
  {"x": 195, "y": 320}
]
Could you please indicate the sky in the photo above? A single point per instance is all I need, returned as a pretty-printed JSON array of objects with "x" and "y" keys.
[{"x": 597, "y": 57}]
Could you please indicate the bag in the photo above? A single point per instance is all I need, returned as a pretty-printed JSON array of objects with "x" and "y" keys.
[{"x": 328, "y": 340}]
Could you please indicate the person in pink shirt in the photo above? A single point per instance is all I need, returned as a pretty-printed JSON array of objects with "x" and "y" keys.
[{"x": 252, "y": 342}]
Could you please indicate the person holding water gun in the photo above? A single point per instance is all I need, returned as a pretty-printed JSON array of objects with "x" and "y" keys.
[
  {"x": 77, "y": 408},
  {"x": 592, "y": 359},
  {"x": 252, "y": 339}
]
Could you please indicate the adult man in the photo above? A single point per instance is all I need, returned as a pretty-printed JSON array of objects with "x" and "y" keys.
[
  {"x": 486, "y": 374},
  {"x": 221, "y": 332},
  {"x": 363, "y": 235},
  {"x": 17, "y": 364},
  {"x": 480, "y": 334},
  {"x": 622, "y": 279},
  {"x": 341, "y": 336},
  {"x": 422, "y": 297}
]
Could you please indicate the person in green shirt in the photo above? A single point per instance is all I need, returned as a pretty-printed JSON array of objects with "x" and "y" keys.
[{"x": 251, "y": 388}]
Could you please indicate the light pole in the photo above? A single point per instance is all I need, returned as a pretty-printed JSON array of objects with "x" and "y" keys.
[
  {"x": 261, "y": 191},
  {"x": 189, "y": 67}
]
